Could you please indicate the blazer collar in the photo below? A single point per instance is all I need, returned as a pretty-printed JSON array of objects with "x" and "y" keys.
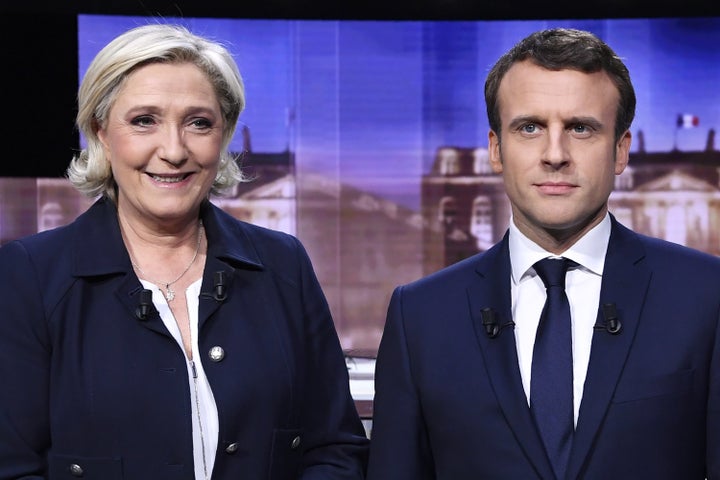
[{"x": 101, "y": 251}]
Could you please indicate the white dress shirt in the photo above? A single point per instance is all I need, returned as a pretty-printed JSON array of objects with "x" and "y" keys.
[
  {"x": 583, "y": 291},
  {"x": 205, "y": 422}
]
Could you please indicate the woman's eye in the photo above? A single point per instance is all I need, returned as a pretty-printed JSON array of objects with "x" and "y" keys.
[
  {"x": 143, "y": 121},
  {"x": 201, "y": 123}
]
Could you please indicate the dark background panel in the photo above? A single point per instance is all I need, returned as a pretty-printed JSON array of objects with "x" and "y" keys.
[
  {"x": 39, "y": 45},
  {"x": 39, "y": 83},
  {"x": 376, "y": 9}
]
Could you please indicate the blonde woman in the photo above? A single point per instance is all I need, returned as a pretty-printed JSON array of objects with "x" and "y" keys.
[{"x": 156, "y": 337}]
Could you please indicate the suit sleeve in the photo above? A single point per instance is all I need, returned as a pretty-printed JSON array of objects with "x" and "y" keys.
[
  {"x": 399, "y": 448},
  {"x": 335, "y": 445},
  {"x": 713, "y": 415},
  {"x": 24, "y": 367}
]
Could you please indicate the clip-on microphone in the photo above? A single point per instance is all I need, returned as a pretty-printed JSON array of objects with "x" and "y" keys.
[
  {"x": 612, "y": 324},
  {"x": 143, "y": 308},
  {"x": 219, "y": 289},
  {"x": 490, "y": 322}
]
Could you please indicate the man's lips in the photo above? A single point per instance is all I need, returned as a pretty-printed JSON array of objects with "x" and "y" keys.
[{"x": 555, "y": 188}]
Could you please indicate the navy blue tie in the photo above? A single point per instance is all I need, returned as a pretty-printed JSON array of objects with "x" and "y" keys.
[{"x": 551, "y": 381}]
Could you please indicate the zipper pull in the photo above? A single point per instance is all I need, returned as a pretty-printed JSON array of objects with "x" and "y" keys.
[{"x": 194, "y": 370}]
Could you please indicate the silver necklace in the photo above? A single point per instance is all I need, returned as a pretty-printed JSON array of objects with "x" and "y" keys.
[{"x": 169, "y": 292}]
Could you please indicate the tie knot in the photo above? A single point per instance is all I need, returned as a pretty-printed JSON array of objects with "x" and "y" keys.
[{"x": 552, "y": 271}]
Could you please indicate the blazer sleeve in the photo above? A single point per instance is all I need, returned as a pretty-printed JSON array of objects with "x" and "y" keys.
[
  {"x": 24, "y": 367},
  {"x": 335, "y": 445},
  {"x": 399, "y": 449}
]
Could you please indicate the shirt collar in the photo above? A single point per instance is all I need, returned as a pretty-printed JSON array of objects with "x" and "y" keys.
[{"x": 589, "y": 251}]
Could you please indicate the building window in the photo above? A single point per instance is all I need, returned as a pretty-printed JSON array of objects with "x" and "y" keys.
[
  {"x": 448, "y": 211},
  {"x": 449, "y": 161},
  {"x": 481, "y": 225},
  {"x": 625, "y": 181},
  {"x": 481, "y": 162}
]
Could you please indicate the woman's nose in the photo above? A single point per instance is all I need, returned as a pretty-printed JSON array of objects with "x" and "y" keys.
[{"x": 173, "y": 149}]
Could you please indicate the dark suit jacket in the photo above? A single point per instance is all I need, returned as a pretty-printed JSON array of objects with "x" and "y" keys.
[
  {"x": 449, "y": 403},
  {"x": 85, "y": 382}
]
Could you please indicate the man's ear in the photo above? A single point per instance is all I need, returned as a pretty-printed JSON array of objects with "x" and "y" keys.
[
  {"x": 494, "y": 152},
  {"x": 622, "y": 152}
]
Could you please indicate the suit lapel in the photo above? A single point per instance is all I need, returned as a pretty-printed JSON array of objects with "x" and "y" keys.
[
  {"x": 492, "y": 290},
  {"x": 625, "y": 283}
]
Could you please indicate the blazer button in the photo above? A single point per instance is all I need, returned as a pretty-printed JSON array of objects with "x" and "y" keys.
[
  {"x": 232, "y": 448},
  {"x": 76, "y": 470},
  {"x": 295, "y": 442},
  {"x": 216, "y": 354}
]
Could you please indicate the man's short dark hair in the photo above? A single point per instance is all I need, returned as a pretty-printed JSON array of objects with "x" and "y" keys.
[{"x": 561, "y": 49}]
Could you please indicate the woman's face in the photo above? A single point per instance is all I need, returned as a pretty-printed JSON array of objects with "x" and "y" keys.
[{"x": 163, "y": 139}]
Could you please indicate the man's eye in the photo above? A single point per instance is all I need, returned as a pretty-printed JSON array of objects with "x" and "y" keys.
[
  {"x": 580, "y": 128},
  {"x": 529, "y": 128}
]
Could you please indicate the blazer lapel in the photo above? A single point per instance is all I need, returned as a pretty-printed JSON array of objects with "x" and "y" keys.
[
  {"x": 231, "y": 252},
  {"x": 492, "y": 291},
  {"x": 625, "y": 283},
  {"x": 128, "y": 292}
]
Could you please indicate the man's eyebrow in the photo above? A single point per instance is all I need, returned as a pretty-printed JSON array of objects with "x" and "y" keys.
[
  {"x": 523, "y": 119},
  {"x": 589, "y": 121}
]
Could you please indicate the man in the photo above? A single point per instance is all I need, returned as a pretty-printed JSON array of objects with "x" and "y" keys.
[{"x": 461, "y": 381}]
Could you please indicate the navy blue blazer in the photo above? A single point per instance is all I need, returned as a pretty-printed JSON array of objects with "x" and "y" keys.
[
  {"x": 86, "y": 382},
  {"x": 449, "y": 402}
]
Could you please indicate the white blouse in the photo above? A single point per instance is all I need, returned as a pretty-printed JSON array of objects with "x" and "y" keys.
[{"x": 204, "y": 410}]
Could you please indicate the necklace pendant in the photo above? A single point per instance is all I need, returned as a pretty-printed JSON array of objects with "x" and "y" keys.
[{"x": 169, "y": 293}]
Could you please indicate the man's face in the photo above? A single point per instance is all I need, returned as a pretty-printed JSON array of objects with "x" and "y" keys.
[{"x": 558, "y": 154}]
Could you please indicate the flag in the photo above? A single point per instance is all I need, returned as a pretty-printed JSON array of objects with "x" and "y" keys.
[{"x": 687, "y": 120}]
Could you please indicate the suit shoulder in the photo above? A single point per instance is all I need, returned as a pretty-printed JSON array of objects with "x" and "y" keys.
[
  {"x": 451, "y": 276},
  {"x": 662, "y": 251}
]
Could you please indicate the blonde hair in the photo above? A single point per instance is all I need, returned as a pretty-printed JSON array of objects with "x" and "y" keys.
[{"x": 89, "y": 171}]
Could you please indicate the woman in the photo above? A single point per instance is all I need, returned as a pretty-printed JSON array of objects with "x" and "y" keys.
[{"x": 156, "y": 337}]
